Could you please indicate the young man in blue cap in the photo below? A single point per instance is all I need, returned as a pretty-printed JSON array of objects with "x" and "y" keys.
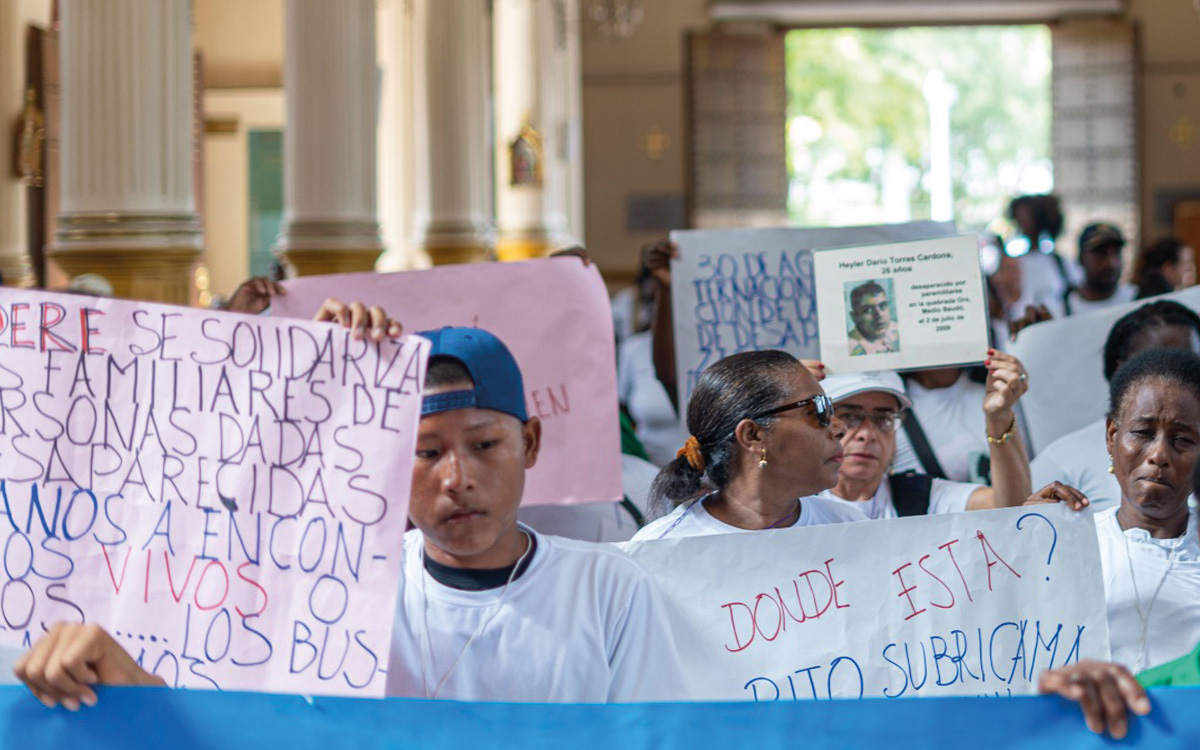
[{"x": 487, "y": 609}]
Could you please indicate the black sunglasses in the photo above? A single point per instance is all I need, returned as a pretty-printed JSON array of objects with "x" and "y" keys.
[{"x": 822, "y": 405}]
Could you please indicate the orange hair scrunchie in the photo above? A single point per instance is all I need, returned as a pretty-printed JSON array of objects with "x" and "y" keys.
[{"x": 691, "y": 450}]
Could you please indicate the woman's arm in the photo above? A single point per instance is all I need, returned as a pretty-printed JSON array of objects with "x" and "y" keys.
[{"x": 1011, "y": 485}]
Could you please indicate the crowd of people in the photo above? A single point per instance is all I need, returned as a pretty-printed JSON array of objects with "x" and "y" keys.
[{"x": 492, "y": 609}]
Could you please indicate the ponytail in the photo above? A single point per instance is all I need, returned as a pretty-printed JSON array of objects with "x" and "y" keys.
[{"x": 727, "y": 392}]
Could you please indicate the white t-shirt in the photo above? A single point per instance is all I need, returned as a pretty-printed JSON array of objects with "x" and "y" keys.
[
  {"x": 1079, "y": 459},
  {"x": 584, "y": 624},
  {"x": 693, "y": 519},
  {"x": 954, "y": 424},
  {"x": 944, "y": 497},
  {"x": 1124, "y": 293},
  {"x": 659, "y": 429},
  {"x": 1042, "y": 283},
  {"x": 1172, "y": 612}
]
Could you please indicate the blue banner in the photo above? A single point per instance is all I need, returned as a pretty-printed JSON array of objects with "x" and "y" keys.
[{"x": 183, "y": 720}]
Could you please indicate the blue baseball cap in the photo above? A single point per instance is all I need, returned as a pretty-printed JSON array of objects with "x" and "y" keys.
[{"x": 494, "y": 370}]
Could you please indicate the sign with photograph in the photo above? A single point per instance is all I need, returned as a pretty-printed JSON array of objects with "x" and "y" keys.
[
  {"x": 901, "y": 306},
  {"x": 738, "y": 290}
]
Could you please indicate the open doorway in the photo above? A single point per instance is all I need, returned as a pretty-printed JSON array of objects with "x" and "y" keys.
[{"x": 899, "y": 124}]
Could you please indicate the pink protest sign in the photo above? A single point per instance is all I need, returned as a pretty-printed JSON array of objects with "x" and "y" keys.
[
  {"x": 225, "y": 494},
  {"x": 554, "y": 315}
]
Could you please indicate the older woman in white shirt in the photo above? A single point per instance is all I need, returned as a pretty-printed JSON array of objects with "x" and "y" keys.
[
  {"x": 1077, "y": 458},
  {"x": 871, "y": 406},
  {"x": 1149, "y": 548}
]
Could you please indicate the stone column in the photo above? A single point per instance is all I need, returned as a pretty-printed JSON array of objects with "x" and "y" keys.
[
  {"x": 533, "y": 83},
  {"x": 453, "y": 133},
  {"x": 395, "y": 35},
  {"x": 573, "y": 145},
  {"x": 128, "y": 209},
  {"x": 14, "y": 220},
  {"x": 330, "y": 86}
]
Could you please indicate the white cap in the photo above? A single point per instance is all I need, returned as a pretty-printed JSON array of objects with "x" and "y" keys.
[
  {"x": 840, "y": 387},
  {"x": 91, "y": 284}
]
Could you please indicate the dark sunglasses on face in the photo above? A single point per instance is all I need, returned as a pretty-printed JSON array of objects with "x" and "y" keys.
[{"x": 822, "y": 409}]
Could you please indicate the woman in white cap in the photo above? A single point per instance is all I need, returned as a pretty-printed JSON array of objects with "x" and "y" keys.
[{"x": 871, "y": 406}]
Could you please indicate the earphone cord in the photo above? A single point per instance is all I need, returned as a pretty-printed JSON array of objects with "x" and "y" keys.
[
  {"x": 1145, "y": 618},
  {"x": 478, "y": 631}
]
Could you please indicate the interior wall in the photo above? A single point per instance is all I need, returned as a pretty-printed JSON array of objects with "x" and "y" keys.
[
  {"x": 242, "y": 42},
  {"x": 633, "y": 93},
  {"x": 227, "y": 179},
  {"x": 1170, "y": 122},
  {"x": 633, "y": 133}
]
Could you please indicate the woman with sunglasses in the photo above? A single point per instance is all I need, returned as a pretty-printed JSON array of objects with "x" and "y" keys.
[
  {"x": 871, "y": 405},
  {"x": 763, "y": 440}
]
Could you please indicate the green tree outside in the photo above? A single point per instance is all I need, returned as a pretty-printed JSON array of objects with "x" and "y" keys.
[{"x": 858, "y": 123}]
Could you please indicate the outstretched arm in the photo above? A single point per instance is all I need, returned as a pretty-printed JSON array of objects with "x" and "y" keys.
[
  {"x": 1011, "y": 486},
  {"x": 657, "y": 258}
]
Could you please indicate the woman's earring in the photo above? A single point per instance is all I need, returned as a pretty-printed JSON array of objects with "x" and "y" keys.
[
  {"x": 1110, "y": 465},
  {"x": 762, "y": 459}
]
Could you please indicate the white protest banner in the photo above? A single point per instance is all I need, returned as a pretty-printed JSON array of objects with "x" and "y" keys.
[
  {"x": 555, "y": 317},
  {"x": 976, "y": 603},
  {"x": 1065, "y": 362},
  {"x": 225, "y": 494},
  {"x": 901, "y": 306},
  {"x": 736, "y": 290}
]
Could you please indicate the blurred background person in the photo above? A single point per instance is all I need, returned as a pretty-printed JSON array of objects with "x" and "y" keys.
[
  {"x": 1166, "y": 265},
  {"x": 1048, "y": 275},
  {"x": 643, "y": 396},
  {"x": 1004, "y": 280},
  {"x": 1100, "y": 248}
]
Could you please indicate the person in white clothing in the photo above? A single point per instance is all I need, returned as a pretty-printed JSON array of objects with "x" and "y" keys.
[
  {"x": 763, "y": 439},
  {"x": 1100, "y": 247},
  {"x": 693, "y": 519},
  {"x": 647, "y": 401},
  {"x": 1079, "y": 458},
  {"x": 947, "y": 415},
  {"x": 487, "y": 609},
  {"x": 872, "y": 404},
  {"x": 1046, "y": 274},
  {"x": 1149, "y": 544}
]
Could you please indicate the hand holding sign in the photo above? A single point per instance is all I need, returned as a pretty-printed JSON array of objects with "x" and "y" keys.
[
  {"x": 363, "y": 322},
  {"x": 224, "y": 493},
  {"x": 1107, "y": 692},
  {"x": 567, "y": 357},
  {"x": 66, "y": 662}
]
